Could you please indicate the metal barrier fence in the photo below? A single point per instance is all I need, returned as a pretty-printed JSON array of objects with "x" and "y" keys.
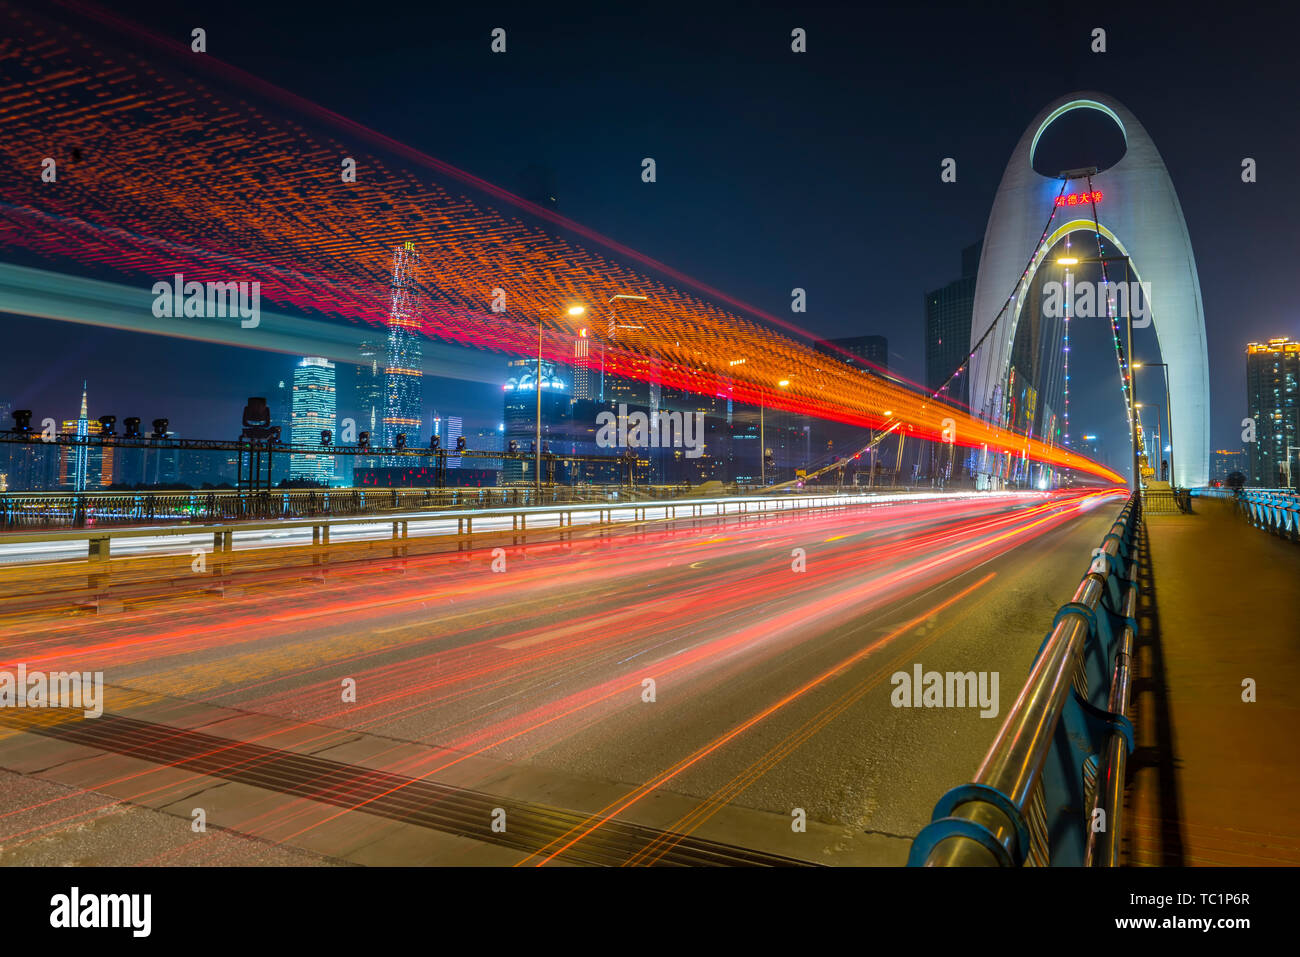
[
  {"x": 31, "y": 510},
  {"x": 1050, "y": 789},
  {"x": 1274, "y": 510},
  {"x": 1166, "y": 501},
  {"x": 37, "y": 510}
]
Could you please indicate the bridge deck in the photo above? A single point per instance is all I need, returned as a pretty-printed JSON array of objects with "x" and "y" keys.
[{"x": 1215, "y": 778}]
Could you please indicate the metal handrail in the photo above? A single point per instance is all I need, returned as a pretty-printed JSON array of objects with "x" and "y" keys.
[
  {"x": 100, "y": 539},
  {"x": 1022, "y": 807},
  {"x": 1274, "y": 510}
]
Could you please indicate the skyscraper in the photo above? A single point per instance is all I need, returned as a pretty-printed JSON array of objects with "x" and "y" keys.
[
  {"x": 455, "y": 427},
  {"x": 403, "y": 374},
  {"x": 948, "y": 313},
  {"x": 1273, "y": 401},
  {"x": 872, "y": 349},
  {"x": 1223, "y": 462},
  {"x": 581, "y": 367},
  {"x": 83, "y": 466},
  {"x": 369, "y": 386},
  {"x": 520, "y": 412},
  {"x": 313, "y": 412}
]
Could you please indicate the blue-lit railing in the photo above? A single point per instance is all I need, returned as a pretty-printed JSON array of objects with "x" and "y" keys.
[
  {"x": 1274, "y": 510},
  {"x": 1050, "y": 790}
]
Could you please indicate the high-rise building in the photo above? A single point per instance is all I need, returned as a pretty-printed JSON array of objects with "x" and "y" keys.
[
  {"x": 369, "y": 394},
  {"x": 403, "y": 373},
  {"x": 455, "y": 426},
  {"x": 948, "y": 312},
  {"x": 1273, "y": 401},
  {"x": 863, "y": 349},
  {"x": 1223, "y": 462},
  {"x": 520, "y": 412},
  {"x": 84, "y": 466},
  {"x": 313, "y": 412},
  {"x": 487, "y": 440},
  {"x": 582, "y": 368}
]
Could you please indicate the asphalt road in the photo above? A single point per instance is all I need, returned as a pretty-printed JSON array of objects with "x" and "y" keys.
[{"x": 683, "y": 692}]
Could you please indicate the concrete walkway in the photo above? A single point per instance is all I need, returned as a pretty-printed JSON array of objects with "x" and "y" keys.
[{"x": 1215, "y": 779}]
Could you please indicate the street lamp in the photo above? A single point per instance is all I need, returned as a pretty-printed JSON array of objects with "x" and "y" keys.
[
  {"x": 1169, "y": 409},
  {"x": 762, "y": 434},
  {"x": 1128, "y": 354},
  {"x": 573, "y": 311},
  {"x": 1160, "y": 424}
]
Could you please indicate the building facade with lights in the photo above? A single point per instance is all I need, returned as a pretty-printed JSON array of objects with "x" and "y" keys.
[
  {"x": 947, "y": 327},
  {"x": 314, "y": 405},
  {"x": 520, "y": 413},
  {"x": 1273, "y": 401}
]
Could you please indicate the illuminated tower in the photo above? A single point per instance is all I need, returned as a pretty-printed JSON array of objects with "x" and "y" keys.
[
  {"x": 403, "y": 393},
  {"x": 82, "y": 451},
  {"x": 83, "y": 466}
]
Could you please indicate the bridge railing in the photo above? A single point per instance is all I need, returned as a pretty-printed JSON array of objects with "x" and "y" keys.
[
  {"x": 51, "y": 510},
  {"x": 36, "y": 510},
  {"x": 1274, "y": 510},
  {"x": 1050, "y": 789},
  {"x": 1166, "y": 501}
]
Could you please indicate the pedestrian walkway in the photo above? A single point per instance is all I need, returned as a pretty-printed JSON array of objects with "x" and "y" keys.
[{"x": 1216, "y": 779}]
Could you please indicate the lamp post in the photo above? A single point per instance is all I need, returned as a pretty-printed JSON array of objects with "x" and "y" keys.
[
  {"x": 1127, "y": 371},
  {"x": 762, "y": 435},
  {"x": 537, "y": 386},
  {"x": 1169, "y": 410},
  {"x": 1159, "y": 428}
]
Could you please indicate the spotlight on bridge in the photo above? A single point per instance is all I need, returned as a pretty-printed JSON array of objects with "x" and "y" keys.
[
  {"x": 435, "y": 444},
  {"x": 1068, "y": 261},
  {"x": 160, "y": 428},
  {"x": 132, "y": 425},
  {"x": 460, "y": 444},
  {"x": 23, "y": 421},
  {"x": 400, "y": 440},
  {"x": 513, "y": 446},
  {"x": 256, "y": 419},
  {"x": 108, "y": 425},
  {"x": 326, "y": 436},
  {"x": 363, "y": 440}
]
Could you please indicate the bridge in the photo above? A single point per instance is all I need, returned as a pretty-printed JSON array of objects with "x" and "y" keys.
[{"x": 1010, "y": 653}]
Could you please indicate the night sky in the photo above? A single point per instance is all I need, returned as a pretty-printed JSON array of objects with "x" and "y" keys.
[{"x": 775, "y": 170}]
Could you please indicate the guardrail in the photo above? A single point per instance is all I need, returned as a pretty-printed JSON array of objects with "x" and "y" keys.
[
  {"x": 1166, "y": 501},
  {"x": 79, "y": 510},
  {"x": 101, "y": 569},
  {"x": 1050, "y": 789},
  {"x": 32, "y": 510},
  {"x": 1274, "y": 510}
]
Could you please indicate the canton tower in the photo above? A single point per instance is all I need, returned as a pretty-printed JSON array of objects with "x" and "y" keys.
[{"x": 403, "y": 392}]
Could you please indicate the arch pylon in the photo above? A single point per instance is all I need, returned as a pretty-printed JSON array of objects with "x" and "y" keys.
[{"x": 1140, "y": 217}]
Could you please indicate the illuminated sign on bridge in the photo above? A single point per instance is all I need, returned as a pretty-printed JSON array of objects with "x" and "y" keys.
[{"x": 1079, "y": 199}]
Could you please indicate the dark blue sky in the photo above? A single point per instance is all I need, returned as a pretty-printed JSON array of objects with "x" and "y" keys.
[{"x": 775, "y": 170}]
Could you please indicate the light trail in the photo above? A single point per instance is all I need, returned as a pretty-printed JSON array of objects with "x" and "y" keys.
[
  {"x": 831, "y": 591},
  {"x": 319, "y": 247}
]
